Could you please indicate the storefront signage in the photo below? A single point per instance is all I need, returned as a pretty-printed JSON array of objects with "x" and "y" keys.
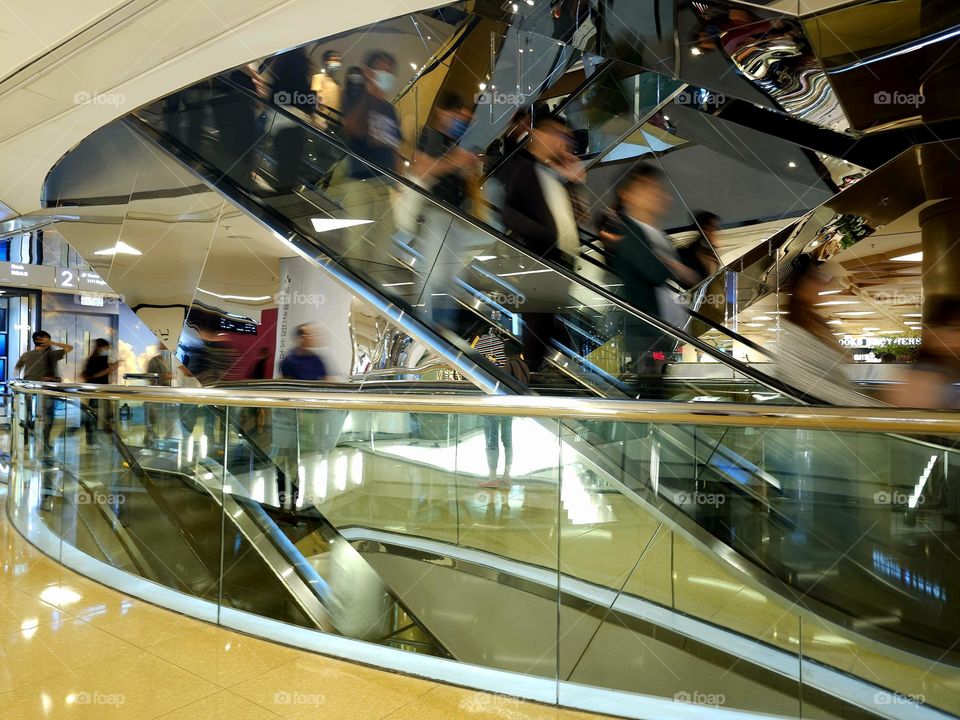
[
  {"x": 27, "y": 275},
  {"x": 48, "y": 276}
]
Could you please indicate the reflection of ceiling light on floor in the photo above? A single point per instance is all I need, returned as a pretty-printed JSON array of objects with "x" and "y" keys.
[
  {"x": 121, "y": 248},
  {"x": 912, "y": 257},
  {"x": 250, "y": 298},
  {"x": 59, "y": 595},
  {"x": 484, "y": 258},
  {"x": 763, "y": 318},
  {"x": 328, "y": 224}
]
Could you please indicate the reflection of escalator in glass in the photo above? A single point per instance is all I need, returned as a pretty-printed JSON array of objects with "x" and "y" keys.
[
  {"x": 170, "y": 522},
  {"x": 392, "y": 271},
  {"x": 432, "y": 271}
]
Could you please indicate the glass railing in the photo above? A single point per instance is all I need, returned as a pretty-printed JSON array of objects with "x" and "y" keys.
[
  {"x": 798, "y": 563},
  {"x": 447, "y": 270}
]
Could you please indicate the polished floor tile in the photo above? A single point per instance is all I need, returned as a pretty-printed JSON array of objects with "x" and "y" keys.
[{"x": 72, "y": 648}]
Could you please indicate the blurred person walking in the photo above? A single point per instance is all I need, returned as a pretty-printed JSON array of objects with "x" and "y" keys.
[
  {"x": 98, "y": 369},
  {"x": 644, "y": 258},
  {"x": 290, "y": 74},
  {"x": 372, "y": 132},
  {"x": 541, "y": 204},
  {"x": 809, "y": 358},
  {"x": 42, "y": 364},
  {"x": 293, "y": 432},
  {"x": 451, "y": 174}
]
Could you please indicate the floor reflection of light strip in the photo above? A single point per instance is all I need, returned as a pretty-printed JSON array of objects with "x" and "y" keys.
[{"x": 921, "y": 483}]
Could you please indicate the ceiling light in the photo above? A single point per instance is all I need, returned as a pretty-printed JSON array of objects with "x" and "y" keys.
[
  {"x": 396, "y": 284},
  {"x": 248, "y": 298},
  {"x": 327, "y": 224},
  {"x": 834, "y": 322},
  {"x": 791, "y": 164},
  {"x": 484, "y": 258},
  {"x": 413, "y": 65},
  {"x": 860, "y": 313},
  {"x": 763, "y": 318},
  {"x": 121, "y": 248},
  {"x": 696, "y": 52},
  {"x": 894, "y": 332},
  {"x": 829, "y": 292},
  {"x": 525, "y": 272},
  {"x": 912, "y": 257},
  {"x": 838, "y": 302},
  {"x": 913, "y": 315},
  {"x": 754, "y": 324}
]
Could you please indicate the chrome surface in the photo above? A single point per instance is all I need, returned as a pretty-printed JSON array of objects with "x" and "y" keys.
[{"x": 628, "y": 411}]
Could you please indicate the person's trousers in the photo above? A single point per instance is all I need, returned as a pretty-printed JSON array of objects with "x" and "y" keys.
[{"x": 498, "y": 429}]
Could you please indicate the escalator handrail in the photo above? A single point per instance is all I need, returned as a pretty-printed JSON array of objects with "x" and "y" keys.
[
  {"x": 862, "y": 419},
  {"x": 662, "y": 326}
]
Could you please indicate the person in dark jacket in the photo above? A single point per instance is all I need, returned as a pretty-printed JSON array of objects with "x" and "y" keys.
[
  {"x": 540, "y": 210},
  {"x": 645, "y": 259},
  {"x": 98, "y": 369}
]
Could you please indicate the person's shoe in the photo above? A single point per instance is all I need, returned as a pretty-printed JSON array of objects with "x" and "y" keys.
[
  {"x": 506, "y": 479},
  {"x": 490, "y": 482}
]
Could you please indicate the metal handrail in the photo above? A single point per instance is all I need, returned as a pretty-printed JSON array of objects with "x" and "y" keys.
[{"x": 881, "y": 420}]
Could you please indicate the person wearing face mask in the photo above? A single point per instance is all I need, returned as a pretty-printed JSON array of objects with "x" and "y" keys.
[
  {"x": 451, "y": 174},
  {"x": 372, "y": 133},
  {"x": 370, "y": 123},
  {"x": 98, "y": 369},
  {"x": 325, "y": 85}
]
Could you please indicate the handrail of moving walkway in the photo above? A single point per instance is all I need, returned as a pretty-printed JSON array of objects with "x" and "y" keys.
[
  {"x": 655, "y": 322},
  {"x": 879, "y": 420}
]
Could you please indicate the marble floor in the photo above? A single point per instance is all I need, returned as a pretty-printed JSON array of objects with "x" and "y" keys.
[{"x": 72, "y": 648}]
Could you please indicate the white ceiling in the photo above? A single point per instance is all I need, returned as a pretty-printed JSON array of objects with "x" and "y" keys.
[{"x": 164, "y": 45}]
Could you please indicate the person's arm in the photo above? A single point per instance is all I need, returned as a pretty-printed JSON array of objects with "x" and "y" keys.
[{"x": 63, "y": 346}]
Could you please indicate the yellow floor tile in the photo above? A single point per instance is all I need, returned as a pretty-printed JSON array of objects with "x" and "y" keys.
[
  {"x": 130, "y": 685},
  {"x": 320, "y": 687},
  {"x": 224, "y": 705},
  {"x": 442, "y": 703},
  {"x": 220, "y": 656}
]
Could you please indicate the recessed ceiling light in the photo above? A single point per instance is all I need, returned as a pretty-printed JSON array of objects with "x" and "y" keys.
[
  {"x": 121, "y": 248},
  {"x": 912, "y": 257},
  {"x": 327, "y": 224},
  {"x": 791, "y": 164},
  {"x": 525, "y": 272},
  {"x": 696, "y": 52},
  {"x": 838, "y": 302},
  {"x": 828, "y": 292},
  {"x": 396, "y": 284},
  {"x": 834, "y": 322},
  {"x": 913, "y": 315}
]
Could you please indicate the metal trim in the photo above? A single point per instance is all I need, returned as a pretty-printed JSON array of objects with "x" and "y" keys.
[{"x": 879, "y": 420}]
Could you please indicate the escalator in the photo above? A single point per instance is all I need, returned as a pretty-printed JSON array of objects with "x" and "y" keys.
[
  {"x": 171, "y": 512},
  {"x": 389, "y": 260},
  {"x": 447, "y": 273}
]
